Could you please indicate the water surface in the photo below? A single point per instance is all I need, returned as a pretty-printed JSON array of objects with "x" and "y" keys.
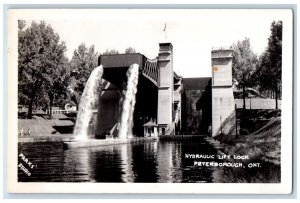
[{"x": 158, "y": 161}]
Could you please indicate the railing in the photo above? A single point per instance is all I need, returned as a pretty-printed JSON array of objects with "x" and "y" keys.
[
  {"x": 58, "y": 111},
  {"x": 150, "y": 70},
  {"x": 222, "y": 48}
]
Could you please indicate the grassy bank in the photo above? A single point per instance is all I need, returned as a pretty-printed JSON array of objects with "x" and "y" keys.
[
  {"x": 263, "y": 146},
  {"x": 41, "y": 125}
]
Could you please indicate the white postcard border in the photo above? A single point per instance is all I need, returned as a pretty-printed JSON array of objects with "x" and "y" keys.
[{"x": 284, "y": 187}]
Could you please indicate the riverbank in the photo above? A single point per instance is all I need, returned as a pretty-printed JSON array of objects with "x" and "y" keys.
[
  {"x": 264, "y": 140},
  {"x": 180, "y": 137},
  {"x": 47, "y": 138},
  {"x": 263, "y": 146},
  {"x": 41, "y": 125}
]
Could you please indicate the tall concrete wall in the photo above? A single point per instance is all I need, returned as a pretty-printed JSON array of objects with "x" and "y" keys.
[
  {"x": 196, "y": 108},
  {"x": 223, "y": 106},
  {"x": 108, "y": 111},
  {"x": 166, "y": 87},
  {"x": 193, "y": 116}
]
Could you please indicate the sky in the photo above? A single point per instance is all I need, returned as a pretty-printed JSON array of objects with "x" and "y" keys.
[{"x": 193, "y": 33}]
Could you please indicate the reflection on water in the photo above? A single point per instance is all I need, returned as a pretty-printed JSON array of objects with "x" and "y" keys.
[
  {"x": 147, "y": 162},
  {"x": 127, "y": 175}
]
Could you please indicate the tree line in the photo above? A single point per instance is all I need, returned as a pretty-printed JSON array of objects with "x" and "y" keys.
[
  {"x": 46, "y": 77},
  {"x": 262, "y": 73}
]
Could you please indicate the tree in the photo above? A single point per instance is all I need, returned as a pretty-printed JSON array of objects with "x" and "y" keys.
[
  {"x": 130, "y": 50},
  {"x": 270, "y": 63},
  {"x": 21, "y": 24},
  {"x": 40, "y": 54},
  {"x": 110, "y": 52},
  {"x": 275, "y": 56},
  {"x": 83, "y": 62},
  {"x": 57, "y": 86},
  {"x": 263, "y": 75},
  {"x": 244, "y": 65}
]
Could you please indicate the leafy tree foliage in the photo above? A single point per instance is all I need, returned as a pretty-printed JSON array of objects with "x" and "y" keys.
[
  {"x": 110, "y": 52},
  {"x": 21, "y": 24},
  {"x": 130, "y": 50},
  {"x": 40, "y": 58},
  {"x": 270, "y": 63},
  {"x": 83, "y": 62},
  {"x": 244, "y": 65},
  {"x": 57, "y": 86}
]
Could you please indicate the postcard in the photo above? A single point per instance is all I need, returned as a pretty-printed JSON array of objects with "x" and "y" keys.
[{"x": 193, "y": 101}]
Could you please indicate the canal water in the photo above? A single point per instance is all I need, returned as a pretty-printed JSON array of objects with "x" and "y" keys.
[
  {"x": 149, "y": 162},
  {"x": 159, "y": 161}
]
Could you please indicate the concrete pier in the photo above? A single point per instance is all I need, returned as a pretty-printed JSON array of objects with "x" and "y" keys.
[
  {"x": 180, "y": 137},
  {"x": 223, "y": 111},
  {"x": 46, "y": 138},
  {"x": 97, "y": 143}
]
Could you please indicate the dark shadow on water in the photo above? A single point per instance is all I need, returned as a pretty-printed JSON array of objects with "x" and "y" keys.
[
  {"x": 193, "y": 173},
  {"x": 105, "y": 165},
  {"x": 144, "y": 162}
]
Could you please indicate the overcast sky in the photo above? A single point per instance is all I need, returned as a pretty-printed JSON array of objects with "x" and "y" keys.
[{"x": 193, "y": 33}]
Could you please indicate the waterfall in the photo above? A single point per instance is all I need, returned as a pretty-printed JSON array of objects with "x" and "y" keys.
[
  {"x": 129, "y": 102},
  {"x": 87, "y": 102}
]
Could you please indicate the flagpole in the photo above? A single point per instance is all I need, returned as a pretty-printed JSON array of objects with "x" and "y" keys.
[{"x": 165, "y": 30}]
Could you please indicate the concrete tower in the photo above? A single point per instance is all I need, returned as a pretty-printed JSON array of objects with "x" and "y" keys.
[
  {"x": 223, "y": 106},
  {"x": 165, "y": 87}
]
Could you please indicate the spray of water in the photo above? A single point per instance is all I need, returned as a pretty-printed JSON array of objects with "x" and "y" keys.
[
  {"x": 129, "y": 102},
  {"x": 87, "y": 102}
]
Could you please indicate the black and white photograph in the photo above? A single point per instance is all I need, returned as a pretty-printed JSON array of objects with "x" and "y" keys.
[{"x": 129, "y": 96}]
